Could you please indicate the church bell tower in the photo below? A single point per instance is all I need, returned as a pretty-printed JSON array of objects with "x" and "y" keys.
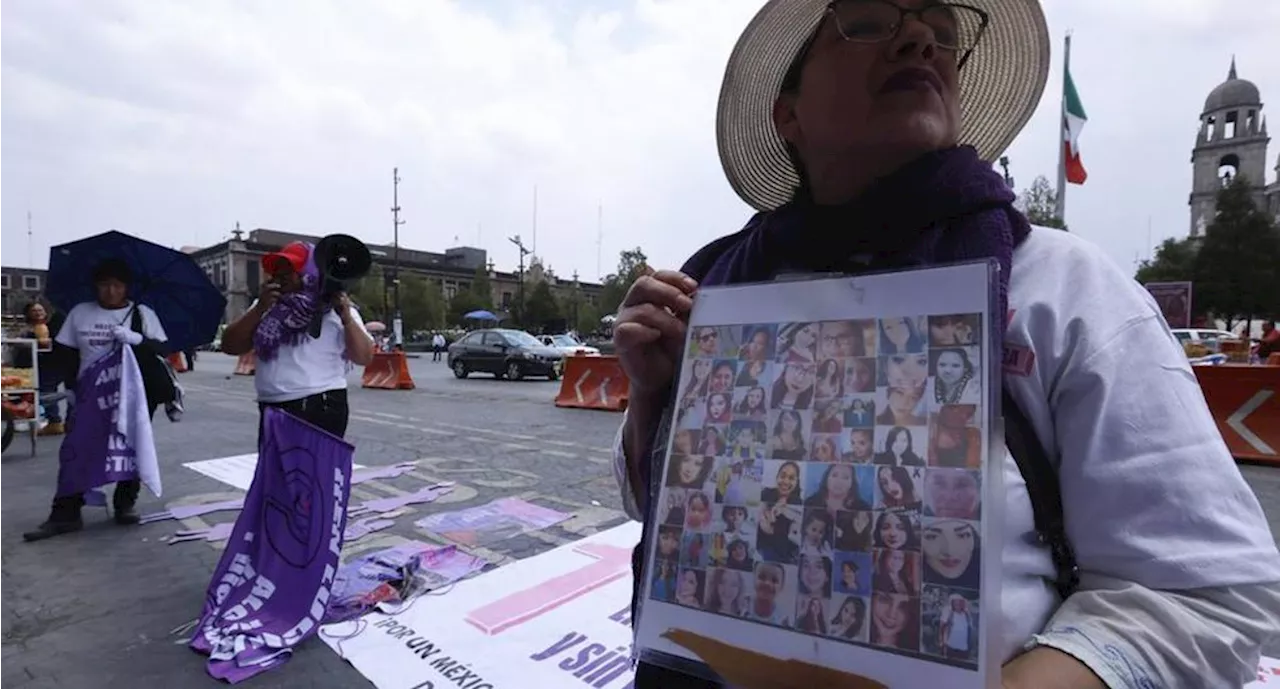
[{"x": 1232, "y": 141}]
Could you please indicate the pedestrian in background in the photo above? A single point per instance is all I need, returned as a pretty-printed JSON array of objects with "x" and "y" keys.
[
  {"x": 41, "y": 328},
  {"x": 303, "y": 375},
  {"x": 437, "y": 346}
]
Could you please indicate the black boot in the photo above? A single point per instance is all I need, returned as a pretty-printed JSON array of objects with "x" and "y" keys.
[
  {"x": 124, "y": 501},
  {"x": 63, "y": 518}
]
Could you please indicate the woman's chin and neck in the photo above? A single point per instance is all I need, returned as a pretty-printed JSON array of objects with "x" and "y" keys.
[{"x": 840, "y": 177}]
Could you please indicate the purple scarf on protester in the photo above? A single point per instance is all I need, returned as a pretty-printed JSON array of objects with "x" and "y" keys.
[
  {"x": 944, "y": 207},
  {"x": 285, "y": 325}
]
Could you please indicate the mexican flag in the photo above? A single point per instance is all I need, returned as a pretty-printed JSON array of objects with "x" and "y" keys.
[{"x": 1073, "y": 119}]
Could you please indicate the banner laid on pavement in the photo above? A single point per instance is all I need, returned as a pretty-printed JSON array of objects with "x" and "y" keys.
[
  {"x": 276, "y": 574},
  {"x": 110, "y": 436},
  {"x": 492, "y": 522},
  {"x": 559, "y": 619}
]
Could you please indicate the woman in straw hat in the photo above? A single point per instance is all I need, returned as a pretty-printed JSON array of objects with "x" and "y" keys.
[{"x": 861, "y": 131}]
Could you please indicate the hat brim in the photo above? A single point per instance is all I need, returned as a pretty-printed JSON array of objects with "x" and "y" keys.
[{"x": 1000, "y": 86}]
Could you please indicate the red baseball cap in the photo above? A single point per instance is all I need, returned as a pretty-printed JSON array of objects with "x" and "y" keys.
[{"x": 294, "y": 255}]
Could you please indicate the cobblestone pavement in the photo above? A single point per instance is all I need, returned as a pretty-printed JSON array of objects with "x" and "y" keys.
[{"x": 112, "y": 607}]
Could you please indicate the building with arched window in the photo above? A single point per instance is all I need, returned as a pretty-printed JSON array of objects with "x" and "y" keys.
[{"x": 1232, "y": 141}]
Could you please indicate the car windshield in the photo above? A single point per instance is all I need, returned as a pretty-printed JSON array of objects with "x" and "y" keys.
[
  {"x": 521, "y": 339},
  {"x": 565, "y": 341}
]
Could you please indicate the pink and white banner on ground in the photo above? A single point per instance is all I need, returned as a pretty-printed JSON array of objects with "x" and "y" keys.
[{"x": 559, "y": 619}]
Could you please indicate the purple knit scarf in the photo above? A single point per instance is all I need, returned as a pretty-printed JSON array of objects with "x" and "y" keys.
[
  {"x": 285, "y": 325},
  {"x": 944, "y": 207}
]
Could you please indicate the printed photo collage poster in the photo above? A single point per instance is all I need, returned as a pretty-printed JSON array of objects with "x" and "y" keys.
[{"x": 827, "y": 488}]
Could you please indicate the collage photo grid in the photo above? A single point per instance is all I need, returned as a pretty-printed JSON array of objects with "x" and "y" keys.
[{"x": 825, "y": 477}]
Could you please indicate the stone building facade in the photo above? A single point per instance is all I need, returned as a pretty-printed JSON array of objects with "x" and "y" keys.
[
  {"x": 20, "y": 286},
  {"x": 235, "y": 266}
]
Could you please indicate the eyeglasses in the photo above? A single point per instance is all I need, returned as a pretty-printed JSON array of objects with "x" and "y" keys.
[{"x": 955, "y": 27}]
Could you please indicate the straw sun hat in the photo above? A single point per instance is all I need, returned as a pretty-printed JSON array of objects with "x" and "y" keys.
[{"x": 1000, "y": 86}]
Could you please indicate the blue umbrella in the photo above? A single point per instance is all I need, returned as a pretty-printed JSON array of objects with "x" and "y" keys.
[
  {"x": 189, "y": 306},
  {"x": 480, "y": 316}
]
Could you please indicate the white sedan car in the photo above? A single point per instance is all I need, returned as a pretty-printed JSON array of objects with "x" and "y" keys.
[{"x": 568, "y": 345}]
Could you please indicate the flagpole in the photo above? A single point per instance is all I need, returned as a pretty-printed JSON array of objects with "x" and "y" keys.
[{"x": 1060, "y": 208}]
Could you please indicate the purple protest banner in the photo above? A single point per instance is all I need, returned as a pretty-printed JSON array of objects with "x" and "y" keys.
[
  {"x": 275, "y": 577},
  {"x": 110, "y": 436}
]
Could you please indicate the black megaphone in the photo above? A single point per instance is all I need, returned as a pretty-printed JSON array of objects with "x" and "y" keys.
[{"x": 341, "y": 259}]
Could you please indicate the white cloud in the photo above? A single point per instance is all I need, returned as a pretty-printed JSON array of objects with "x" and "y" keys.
[{"x": 175, "y": 120}]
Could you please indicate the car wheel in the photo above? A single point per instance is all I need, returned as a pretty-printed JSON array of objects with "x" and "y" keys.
[
  {"x": 460, "y": 369},
  {"x": 514, "y": 372}
]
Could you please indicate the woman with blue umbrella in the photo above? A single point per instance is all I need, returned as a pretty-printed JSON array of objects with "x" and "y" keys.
[{"x": 92, "y": 330}]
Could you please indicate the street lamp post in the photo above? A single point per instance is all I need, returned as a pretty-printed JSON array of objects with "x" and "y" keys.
[
  {"x": 520, "y": 279},
  {"x": 397, "y": 325},
  {"x": 1004, "y": 165},
  {"x": 577, "y": 299}
]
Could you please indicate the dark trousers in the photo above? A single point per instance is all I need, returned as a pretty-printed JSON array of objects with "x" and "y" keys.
[
  {"x": 52, "y": 410},
  {"x": 435, "y": 353},
  {"x": 327, "y": 410},
  {"x": 190, "y": 356},
  {"x": 67, "y": 507}
]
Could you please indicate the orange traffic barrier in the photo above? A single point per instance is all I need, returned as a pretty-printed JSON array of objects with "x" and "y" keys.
[
  {"x": 178, "y": 362},
  {"x": 387, "y": 371},
  {"x": 246, "y": 364},
  {"x": 593, "y": 382},
  {"x": 1245, "y": 401}
]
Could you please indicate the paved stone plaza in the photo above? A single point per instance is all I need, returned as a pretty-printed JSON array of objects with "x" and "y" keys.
[{"x": 113, "y": 606}]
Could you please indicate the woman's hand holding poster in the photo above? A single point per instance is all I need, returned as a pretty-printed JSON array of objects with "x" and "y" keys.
[{"x": 824, "y": 481}]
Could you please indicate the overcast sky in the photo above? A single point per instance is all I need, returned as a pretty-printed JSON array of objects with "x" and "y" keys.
[{"x": 174, "y": 120}]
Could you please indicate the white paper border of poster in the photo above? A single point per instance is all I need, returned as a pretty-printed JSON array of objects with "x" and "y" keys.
[{"x": 960, "y": 288}]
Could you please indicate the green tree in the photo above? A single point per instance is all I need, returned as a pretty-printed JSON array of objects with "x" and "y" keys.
[
  {"x": 1174, "y": 262},
  {"x": 482, "y": 288},
  {"x": 580, "y": 314},
  {"x": 1237, "y": 267},
  {"x": 367, "y": 293},
  {"x": 464, "y": 302},
  {"x": 541, "y": 309},
  {"x": 632, "y": 263},
  {"x": 1039, "y": 203},
  {"x": 421, "y": 303}
]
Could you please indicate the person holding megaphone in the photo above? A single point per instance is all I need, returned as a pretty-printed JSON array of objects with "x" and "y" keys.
[{"x": 305, "y": 332}]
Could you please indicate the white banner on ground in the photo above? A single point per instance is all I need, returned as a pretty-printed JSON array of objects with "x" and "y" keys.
[
  {"x": 235, "y": 471},
  {"x": 560, "y": 619}
]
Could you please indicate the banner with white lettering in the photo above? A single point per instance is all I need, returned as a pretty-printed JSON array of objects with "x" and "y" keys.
[
  {"x": 559, "y": 619},
  {"x": 110, "y": 436},
  {"x": 276, "y": 575}
]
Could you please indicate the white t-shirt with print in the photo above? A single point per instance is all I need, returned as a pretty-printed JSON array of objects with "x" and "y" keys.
[
  {"x": 1138, "y": 446},
  {"x": 313, "y": 366},
  {"x": 1110, "y": 392},
  {"x": 89, "y": 328}
]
